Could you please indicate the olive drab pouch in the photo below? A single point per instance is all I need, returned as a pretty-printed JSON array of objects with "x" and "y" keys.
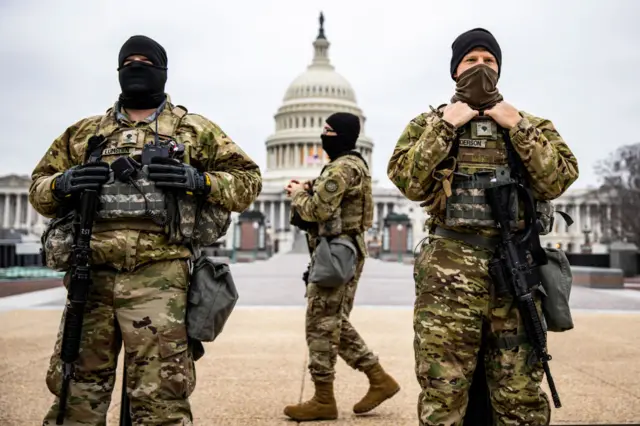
[
  {"x": 333, "y": 263},
  {"x": 199, "y": 222},
  {"x": 57, "y": 243},
  {"x": 556, "y": 280},
  {"x": 211, "y": 299}
]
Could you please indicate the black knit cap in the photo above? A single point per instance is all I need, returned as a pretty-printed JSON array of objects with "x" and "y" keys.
[
  {"x": 467, "y": 41},
  {"x": 143, "y": 45},
  {"x": 345, "y": 124}
]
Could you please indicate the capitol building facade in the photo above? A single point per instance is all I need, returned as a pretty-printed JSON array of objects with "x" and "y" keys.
[{"x": 294, "y": 151}]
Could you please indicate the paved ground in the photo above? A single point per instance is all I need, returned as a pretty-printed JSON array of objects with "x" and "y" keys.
[
  {"x": 258, "y": 365},
  {"x": 278, "y": 282}
]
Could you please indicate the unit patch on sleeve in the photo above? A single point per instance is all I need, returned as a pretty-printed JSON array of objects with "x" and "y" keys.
[{"x": 331, "y": 186}]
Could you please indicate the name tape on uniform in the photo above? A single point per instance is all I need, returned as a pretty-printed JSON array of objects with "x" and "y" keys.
[{"x": 473, "y": 143}]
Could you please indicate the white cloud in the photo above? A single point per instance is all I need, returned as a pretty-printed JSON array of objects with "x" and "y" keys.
[{"x": 574, "y": 62}]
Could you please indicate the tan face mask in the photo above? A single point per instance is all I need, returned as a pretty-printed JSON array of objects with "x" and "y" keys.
[{"x": 477, "y": 88}]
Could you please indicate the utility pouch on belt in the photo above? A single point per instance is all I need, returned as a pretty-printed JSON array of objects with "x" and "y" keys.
[
  {"x": 211, "y": 299},
  {"x": 334, "y": 262},
  {"x": 556, "y": 278}
]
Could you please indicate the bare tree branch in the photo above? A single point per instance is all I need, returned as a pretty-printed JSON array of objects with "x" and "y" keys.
[{"x": 620, "y": 188}]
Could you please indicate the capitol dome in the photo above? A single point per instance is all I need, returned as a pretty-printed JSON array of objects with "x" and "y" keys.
[{"x": 294, "y": 151}]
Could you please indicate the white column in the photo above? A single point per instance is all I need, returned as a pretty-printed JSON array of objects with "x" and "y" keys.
[
  {"x": 600, "y": 220},
  {"x": 18, "y": 217},
  {"x": 375, "y": 214},
  {"x": 29, "y": 215},
  {"x": 281, "y": 219},
  {"x": 5, "y": 219},
  {"x": 285, "y": 160},
  {"x": 289, "y": 152},
  {"x": 272, "y": 214},
  {"x": 578, "y": 228},
  {"x": 561, "y": 227}
]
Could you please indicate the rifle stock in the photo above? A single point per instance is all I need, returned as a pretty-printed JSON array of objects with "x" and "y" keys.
[{"x": 518, "y": 272}]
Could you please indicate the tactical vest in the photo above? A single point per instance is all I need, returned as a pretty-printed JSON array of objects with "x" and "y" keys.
[
  {"x": 355, "y": 215},
  {"x": 137, "y": 202},
  {"x": 482, "y": 161},
  {"x": 123, "y": 205},
  {"x": 184, "y": 219}
]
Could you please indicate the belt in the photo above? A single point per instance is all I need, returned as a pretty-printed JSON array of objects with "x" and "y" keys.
[
  {"x": 472, "y": 239},
  {"x": 128, "y": 224}
]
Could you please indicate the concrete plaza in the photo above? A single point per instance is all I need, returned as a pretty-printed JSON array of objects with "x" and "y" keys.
[{"x": 258, "y": 365}]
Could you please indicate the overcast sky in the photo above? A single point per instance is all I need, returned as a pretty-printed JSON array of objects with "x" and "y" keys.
[{"x": 574, "y": 62}]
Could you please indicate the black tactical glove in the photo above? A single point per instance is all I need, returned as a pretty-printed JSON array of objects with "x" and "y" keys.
[
  {"x": 172, "y": 174},
  {"x": 305, "y": 275},
  {"x": 78, "y": 178}
]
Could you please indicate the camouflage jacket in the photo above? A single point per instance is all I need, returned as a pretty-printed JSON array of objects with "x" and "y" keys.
[
  {"x": 427, "y": 139},
  {"x": 342, "y": 200},
  {"x": 235, "y": 179}
]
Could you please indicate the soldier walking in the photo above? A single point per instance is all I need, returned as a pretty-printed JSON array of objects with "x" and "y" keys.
[{"x": 339, "y": 204}]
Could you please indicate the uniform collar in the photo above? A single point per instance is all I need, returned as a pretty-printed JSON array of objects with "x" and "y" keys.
[{"x": 121, "y": 117}]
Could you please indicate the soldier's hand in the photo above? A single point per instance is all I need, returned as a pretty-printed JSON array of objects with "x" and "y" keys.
[
  {"x": 78, "y": 178},
  {"x": 504, "y": 114},
  {"x": 293, "y": 187},
  {"x": 458, "y": 114},
  {"x": 170, "y": 173}
]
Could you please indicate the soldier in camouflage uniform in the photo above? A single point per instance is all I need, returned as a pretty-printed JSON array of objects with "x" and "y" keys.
[
  {"x": 437, "y": 160},
  {"x": 342, "y": 206},
  {"x": 140, "y": 274}
]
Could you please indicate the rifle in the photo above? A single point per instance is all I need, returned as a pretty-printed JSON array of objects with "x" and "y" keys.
[
  {"x": 517, "y": 273},
  {"x": 79, "y": 286}
]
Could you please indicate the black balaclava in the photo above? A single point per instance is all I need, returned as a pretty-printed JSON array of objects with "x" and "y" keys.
[
  {"x": 142, "y": 84},
  {"x": 467, "y": 41},
  {"x": 347, "y": 128}
]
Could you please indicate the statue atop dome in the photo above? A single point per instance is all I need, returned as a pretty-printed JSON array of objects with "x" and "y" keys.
[{"x": 321, "y": 31}]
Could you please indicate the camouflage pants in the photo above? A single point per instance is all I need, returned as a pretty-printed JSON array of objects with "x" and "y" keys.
[
  {"x": 144, "y": 308},
  {"x": 329, "y": 332},
  {"x": 452, "y": 303}
]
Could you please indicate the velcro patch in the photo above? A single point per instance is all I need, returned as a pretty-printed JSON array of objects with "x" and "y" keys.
[
  {"x": 483, "y": 128},
  {"x": 331, "y": 185},
  {"x": 129, "y": 137}
]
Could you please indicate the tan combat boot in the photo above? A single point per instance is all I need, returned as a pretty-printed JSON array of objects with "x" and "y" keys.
[
  {"x": 321, "y": 407},
  {"x": 381, "y": 387}
]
